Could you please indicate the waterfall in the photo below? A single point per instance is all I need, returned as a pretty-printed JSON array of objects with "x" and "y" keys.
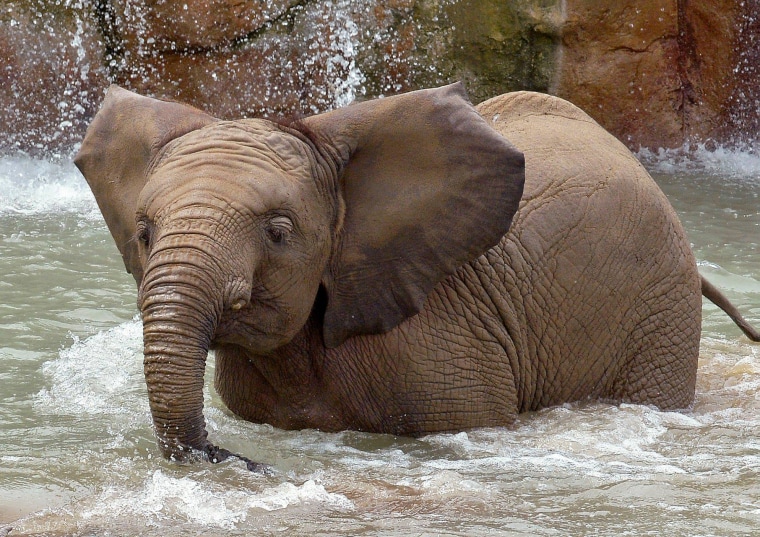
[
  {"x": 303, "y": 57},
  {"x": 744, "y": 103}
]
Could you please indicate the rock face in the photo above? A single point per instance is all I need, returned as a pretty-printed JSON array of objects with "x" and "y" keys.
[
  {"x": 743, "y": 123},
  {"x": 660, "y": 73},
  {"x": 305, "y": 57},
  {"x": 237, "y": 58},
  {"x": 656, "y": 73},
  {"x": 51, "y": 75}
]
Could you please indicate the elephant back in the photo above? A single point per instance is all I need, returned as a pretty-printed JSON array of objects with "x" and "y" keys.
[
  {"x": 523, "y": 104},
  {"x": 564, "y": 147},
  {"x": 598, "y": 257}
]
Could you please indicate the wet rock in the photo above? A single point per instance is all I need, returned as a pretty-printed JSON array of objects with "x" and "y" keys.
[
  {"x": 618, "y": 64},
  {"x": 657, "y": 74},
  {"x": 150, "y": 27},
  {"x": 285, "y": 58},
  {"x": 51, "y": 75},
  {"x": 306, "y": 57},
  {"x": 742, "y": 127},
  {"x": 492, "y": 46}
]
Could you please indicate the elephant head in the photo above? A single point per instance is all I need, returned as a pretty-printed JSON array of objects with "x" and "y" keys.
[{"x": 230, "y": 228}]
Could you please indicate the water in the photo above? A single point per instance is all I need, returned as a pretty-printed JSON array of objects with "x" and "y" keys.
[{"x": 79, "y": 457}]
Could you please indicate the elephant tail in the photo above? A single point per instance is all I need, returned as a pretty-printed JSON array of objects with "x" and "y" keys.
[{"x": 712, "y": 293}]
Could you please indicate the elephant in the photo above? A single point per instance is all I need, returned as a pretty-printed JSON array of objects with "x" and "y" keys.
[{"x": 406, "y": 265}]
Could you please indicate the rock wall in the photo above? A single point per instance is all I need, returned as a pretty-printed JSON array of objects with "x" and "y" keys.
[
  {"x": 656, "y": 73},
  {"x": 743, "y": 107},
  {"x": 660, "y": 73},
  {"x": 306, "y": 57},
  {"x": 51, "y": 75}
]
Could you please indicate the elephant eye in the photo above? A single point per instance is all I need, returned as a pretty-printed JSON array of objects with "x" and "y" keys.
[
  {"x": 143, "y": 233},
  {"x": 279, "y": 229}
]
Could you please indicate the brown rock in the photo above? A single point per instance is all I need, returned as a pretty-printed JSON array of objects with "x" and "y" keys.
[
  {"x": 657, "y": 73},
  {"x": 742, "y": 126},
  {"x": 51, "y": 77},
  {"x": 159, "y": 26},
  {"x": 707, "y": 43},
  {"x": 618, "y": 63},
  {"x": 301, "y": 58}
]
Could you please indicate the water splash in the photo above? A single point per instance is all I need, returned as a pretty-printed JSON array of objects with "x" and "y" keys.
[
  {"x": 722, "y": 162},
  {"x": 32, "y": 186},
  {"x": 51, "y": 72},
  {"x": 83, "y": 384},
  {"x": 208, "y": 504},
  {"x": 342, "y": 70}
]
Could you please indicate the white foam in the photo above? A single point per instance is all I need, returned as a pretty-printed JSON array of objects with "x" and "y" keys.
[
  {"x": 32, "y": 186},
  {"x": 100, "y": 375},
  {"x": 288, "y": 494},
  {"x": 207, "y": 503},
  {"x": 741, "y": 164}
]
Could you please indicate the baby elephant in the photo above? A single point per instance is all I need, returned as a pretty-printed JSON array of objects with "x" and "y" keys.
[{"x": 407, "y": 265}]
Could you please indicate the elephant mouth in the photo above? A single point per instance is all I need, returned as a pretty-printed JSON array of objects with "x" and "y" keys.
[{"x": 250, "y": 331}]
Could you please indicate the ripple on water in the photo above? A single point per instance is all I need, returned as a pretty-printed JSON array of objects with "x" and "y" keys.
[
  {"x": 624, "y": 466},
  {"x": 79, "y": 424}
]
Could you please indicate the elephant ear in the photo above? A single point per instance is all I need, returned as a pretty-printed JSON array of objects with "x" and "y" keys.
[
  {"x": 117, "y": 150},
  {"x": 427, "y": 186}
]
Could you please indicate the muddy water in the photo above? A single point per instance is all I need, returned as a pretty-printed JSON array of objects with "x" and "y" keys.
[{"x": 78, "y": 456}]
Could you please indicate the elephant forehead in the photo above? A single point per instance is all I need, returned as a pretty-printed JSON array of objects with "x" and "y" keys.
[
  {"x": 252, "y": 162},
  {"x": 240, "y": 146}
]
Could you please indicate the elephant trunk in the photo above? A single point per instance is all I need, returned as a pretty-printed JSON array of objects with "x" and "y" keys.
[{"x": 181, "y": 309}]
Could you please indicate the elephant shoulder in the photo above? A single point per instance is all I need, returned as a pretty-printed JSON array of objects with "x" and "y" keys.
[
  {"x": 522, "y": 105},
  {"x": 558, "y": 139}
]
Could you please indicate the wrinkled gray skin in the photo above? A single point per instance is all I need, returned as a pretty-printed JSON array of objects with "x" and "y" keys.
[{"x": 358, "y": 270}]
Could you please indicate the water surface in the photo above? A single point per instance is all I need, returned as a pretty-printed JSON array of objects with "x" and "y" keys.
[{"x": 79, "y": 456}]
